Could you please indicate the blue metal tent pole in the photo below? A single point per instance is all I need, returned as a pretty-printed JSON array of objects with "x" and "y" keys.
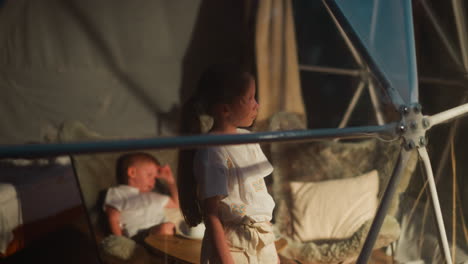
[
  {"x": 383, "y": 207},
  {"x": 345, "y": 37},
  {"x": 38, "y": 150},
  {"x": 364, "y": 69},
  {"x": 411, "y": 56},
  {"x": 347, "y": 30}
]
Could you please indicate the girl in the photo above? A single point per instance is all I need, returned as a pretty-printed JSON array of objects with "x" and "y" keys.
[{"x": 223, "y": 186}]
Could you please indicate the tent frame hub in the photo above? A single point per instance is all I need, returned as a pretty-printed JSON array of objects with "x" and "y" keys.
[{"x": 413, "y": 126}]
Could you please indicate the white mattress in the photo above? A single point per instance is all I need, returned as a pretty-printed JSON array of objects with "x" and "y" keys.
[{"x": 10, "y": 214}]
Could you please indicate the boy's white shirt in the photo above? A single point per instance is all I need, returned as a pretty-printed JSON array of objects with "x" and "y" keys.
[
  {"x": 236, "y": 172},
  {"x": 137, "y": 210}
]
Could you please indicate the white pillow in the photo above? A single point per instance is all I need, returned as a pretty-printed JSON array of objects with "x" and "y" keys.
[{"x": 333, "y": 209}]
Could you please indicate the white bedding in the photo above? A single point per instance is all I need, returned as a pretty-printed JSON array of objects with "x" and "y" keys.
[{"x": 10, "y": 214}]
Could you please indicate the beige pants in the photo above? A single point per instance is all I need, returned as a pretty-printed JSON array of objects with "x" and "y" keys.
[{"x": 248, "y": 242}]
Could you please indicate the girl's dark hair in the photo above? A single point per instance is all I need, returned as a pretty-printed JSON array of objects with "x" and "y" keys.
[
  {"x": 127, "y": 160},
  {"x": 219, "y": 84}
]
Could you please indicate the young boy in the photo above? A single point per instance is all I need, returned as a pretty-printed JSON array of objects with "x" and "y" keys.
[{"x": 132, "y": 206}]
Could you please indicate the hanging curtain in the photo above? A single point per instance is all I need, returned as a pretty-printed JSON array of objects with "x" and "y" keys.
[{"x": 278, "y": 80}]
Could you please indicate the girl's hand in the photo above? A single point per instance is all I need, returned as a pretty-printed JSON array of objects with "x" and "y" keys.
[{"x": 165, "y": 173}]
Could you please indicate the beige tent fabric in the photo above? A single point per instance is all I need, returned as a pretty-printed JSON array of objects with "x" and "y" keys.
[
  {"x": 279, "y": 86},
  {"x": 120, "y": 67},
  {"x": 114, "y": 65}
]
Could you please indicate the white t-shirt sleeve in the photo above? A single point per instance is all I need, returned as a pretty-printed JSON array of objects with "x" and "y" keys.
[
  {"x": 263, "y": 165},
  {"x": 211, "y": 172},
  {"x": 114, "y": 199}
]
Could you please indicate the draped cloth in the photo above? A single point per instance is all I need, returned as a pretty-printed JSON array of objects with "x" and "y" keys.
[{"x": 278, "y": 81}]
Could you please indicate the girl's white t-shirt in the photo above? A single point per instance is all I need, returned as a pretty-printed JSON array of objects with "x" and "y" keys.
[
  {"x": 138, "y": 211},
  {"x": 236, "y": 173}
]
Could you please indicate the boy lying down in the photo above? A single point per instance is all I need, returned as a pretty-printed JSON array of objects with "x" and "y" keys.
[{"x": 133, "y": 207}]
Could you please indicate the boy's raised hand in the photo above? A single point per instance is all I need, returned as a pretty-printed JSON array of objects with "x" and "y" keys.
[{"x": 165, "y": 173}]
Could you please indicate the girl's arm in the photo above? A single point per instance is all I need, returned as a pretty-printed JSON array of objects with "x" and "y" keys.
[
  {"x": 113, "y": 216},
  {"x": 216, "y": 230}
]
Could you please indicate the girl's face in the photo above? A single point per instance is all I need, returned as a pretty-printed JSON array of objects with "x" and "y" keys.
[
  {"x": 243, "y": 111},
  {"x": 143, "y": 175}
]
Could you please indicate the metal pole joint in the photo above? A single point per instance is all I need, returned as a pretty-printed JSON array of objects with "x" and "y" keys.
[{"x": 413, "y": 126}]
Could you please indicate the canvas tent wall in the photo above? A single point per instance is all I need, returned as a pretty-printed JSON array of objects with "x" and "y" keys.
[
  {"x": 118, "y": 66},
  {"x": 124, "y": 68}
]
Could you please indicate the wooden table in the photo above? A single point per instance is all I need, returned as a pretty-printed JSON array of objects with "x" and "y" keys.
[
  {"x": 177, "y": 247},
  {"x": 185, "y": 249}
]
